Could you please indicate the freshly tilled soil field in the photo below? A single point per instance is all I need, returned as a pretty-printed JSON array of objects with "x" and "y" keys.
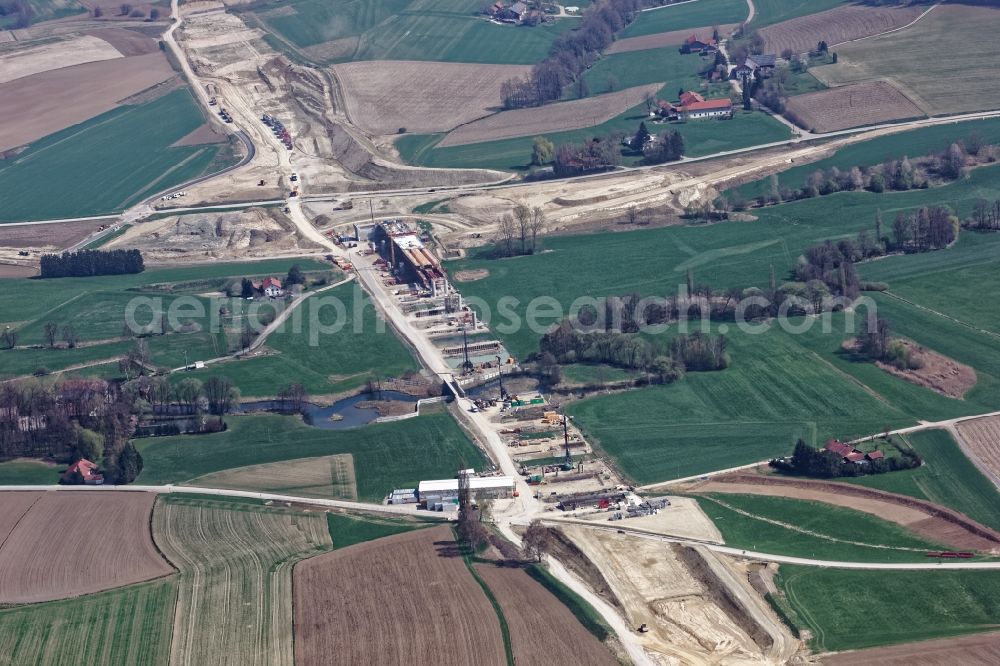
[
  {"x": 384, "y": 95},
  {"x": 406, "y": 599},
  {"x": 836, "y": 26},
  {"x": 851, "y": 106},
  {"x": 64, "y": 544},
  {"x": 558, "y": 117},
  {"x": 542, "y": 630},
  {"x": 982, "y": 436}
]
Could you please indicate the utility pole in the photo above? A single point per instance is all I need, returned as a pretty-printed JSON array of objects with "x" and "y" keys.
[
  {"x": 467, "y": 364},
  {"x": 500, "y": 378},
  {"x": 568, "y": 461}
]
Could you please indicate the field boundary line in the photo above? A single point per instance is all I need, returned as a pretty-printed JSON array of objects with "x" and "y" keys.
[
  {"x": 772, "y": 557},
  {"x": 802, "y": 530},
  {"x": 888, "y": 32},
  {"x": 964, "y": 448},
  {"x": 943, "y": 315},
  {"x": 20, "y": 518}
]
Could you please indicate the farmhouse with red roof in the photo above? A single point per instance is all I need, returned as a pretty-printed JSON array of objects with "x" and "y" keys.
[
  {"x": 83, "y": 471},
  {"x": 271, "y": 286}
]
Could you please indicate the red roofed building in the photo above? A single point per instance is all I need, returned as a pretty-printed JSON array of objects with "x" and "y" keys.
[
  {"x": 271, "y": 286},
  {"x": 876, "y": 455},
  {"x": 839, "y": 448},
  {"x": 83, "y": 471},
  {"x": 855, "y": 457},
  {"x": 713, "y": 108},
  {"x": 690, "y": 97},
  {"x": 695, "y": 44}
]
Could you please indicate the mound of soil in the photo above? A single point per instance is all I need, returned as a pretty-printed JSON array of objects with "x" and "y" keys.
[
  {"x": 937, "y": 372},
  {"x": 471, "y": 276}
]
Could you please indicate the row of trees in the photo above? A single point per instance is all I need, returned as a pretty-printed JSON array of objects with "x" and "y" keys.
[
  {"x": 86, "y": 263},
  {"x": 518, "y": 231},
  {"x": 70, "y": 420},
  {"x": 667, "y": 359},
  {"x": 571, "y": 54},
  {"x": 823, "y": 464},
  {"x": 892, "y": 175}
]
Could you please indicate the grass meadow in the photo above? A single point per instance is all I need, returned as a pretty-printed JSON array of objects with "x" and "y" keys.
[
  {"x": 700, "y": 14},
  {"x": 947, "y": 477},
  {"x": 107, "y": 163},
  {"x": 912, "y": 143},
  {"x": 848, "y": 610},
  {"x": 340, "y": 361},
  {"x": 386, "y": 455},
  {"x": 779, "y": 386},
  {"x": 835, "y": 533},
  {"x": 120, "y": 627},
  {"x": 449, "y": 31},
  {"x": 349, "y": 529},
  {"x": 96, "y": 306}
]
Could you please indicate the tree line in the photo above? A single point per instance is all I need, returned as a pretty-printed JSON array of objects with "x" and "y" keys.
[
  {"x": 570, "y": 56},
  {"x": 985, "y": 216},
  {"x": 70, "y": 420},
  {"x": 87, "y": 263},
  {"x": 892, "y": 175}
]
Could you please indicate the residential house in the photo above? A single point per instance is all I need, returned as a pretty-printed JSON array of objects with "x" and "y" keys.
[
  {"x": 850, "y": 454},
  {"x": 271, "y": 287},
  {"x": 763, "y": 65},
  {"x": 83, "y": 471},
  {"x": 668, "y": 110},
  {"x": 713, "y": 108},
  {"x": 741, "y": 72}
]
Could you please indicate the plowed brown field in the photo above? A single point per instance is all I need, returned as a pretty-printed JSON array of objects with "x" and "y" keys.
[
  {"x": 406, "y": 599},
  {"x": 851, "y": 106},
  {"x": 978, "y": 650},
  {"x": 982, "y": 436},
  {"x": 558, "y": 117},
  {"x": 67, "y": 544},
  {"x": 542, "y": 630},
  {"x": 843, "y": 24},
  {"x": 72, "y": 95},
  {"x": 382, "y": 96}
]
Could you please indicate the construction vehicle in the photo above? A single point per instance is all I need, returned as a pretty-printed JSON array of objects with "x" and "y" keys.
[
  {"x": 212, "y": 102},
  {"x": 643, "y": 628},
  {"x": 261, "y": 183},
  {"x": 295, "y": 177},
  {"x": 293, "y": 193}
]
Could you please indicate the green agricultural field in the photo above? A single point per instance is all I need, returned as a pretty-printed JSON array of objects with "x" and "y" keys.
[
  {"x": 702, "y": 137},
  {"x": 349, "y": 529},
  {"x": 848, "y": 610},
  {"x": 122, "y": 627},
  {"x": 835, "y": 533},
  {"x": 324, "y": 363},
  {"x": 635, "y": 68},
  {"x": 912, "y": 143},
  {"x": 655, "y": 261},
  {"x": 898, "y": 58},
  {"x": 451, "y": 31},
  {"x": 947, "y": 477},
  {"x": 107, "y": 163},
  {"x": 386, "y": 455},
  {"x": 598, "y": 373},
  {"x": 234, "y": 586},
  {"x": 752, "y": 411},
  {"x": 96, "y": 307},
  {"x": 16, "y": 473},
  {"x": 699, "y": 14}
]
